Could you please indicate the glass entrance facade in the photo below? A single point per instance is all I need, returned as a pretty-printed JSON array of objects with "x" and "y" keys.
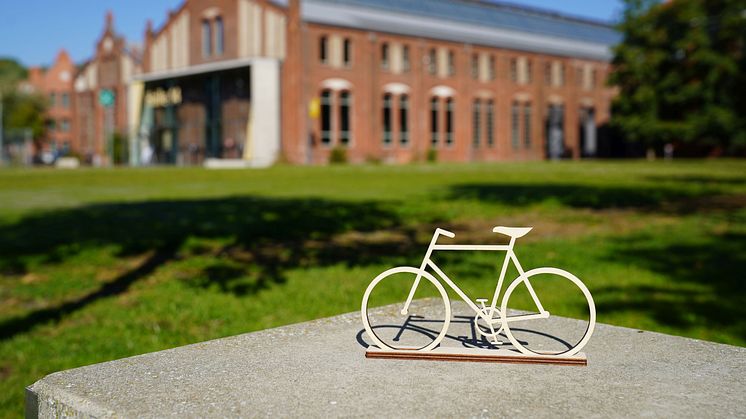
[{"x": 188, "y": 119}]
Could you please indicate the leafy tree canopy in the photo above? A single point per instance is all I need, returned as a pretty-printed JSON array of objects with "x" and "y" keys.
[
  {"x": 681, "y": 73},
  {"x": 23, "y": 111},
  {"x": 11, "y": 72}
]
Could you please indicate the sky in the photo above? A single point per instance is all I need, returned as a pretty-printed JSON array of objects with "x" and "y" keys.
[{"x": 33, "y": 31}]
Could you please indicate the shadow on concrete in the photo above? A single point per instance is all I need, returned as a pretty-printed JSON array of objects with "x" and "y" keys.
[{"x": 473, "y": 340}]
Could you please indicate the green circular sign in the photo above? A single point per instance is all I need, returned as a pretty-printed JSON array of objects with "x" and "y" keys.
[{"x": 106, "y": 98}]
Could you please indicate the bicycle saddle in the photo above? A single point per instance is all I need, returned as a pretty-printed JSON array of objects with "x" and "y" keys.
[{"x": 514, "y": 232}]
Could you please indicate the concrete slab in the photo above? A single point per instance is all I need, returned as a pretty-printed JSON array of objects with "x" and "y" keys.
[{"x": 319, "y": 369}]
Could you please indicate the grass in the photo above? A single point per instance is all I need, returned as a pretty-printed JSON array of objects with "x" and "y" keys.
[{"x": 102, "y": 264}]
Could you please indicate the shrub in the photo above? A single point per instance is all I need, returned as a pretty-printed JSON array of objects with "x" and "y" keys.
[
  {"x": 338, "y": 156},
  {"x": 432, "y": 155}
]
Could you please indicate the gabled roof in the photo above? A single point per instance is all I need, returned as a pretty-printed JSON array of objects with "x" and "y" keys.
[{"x": 479, "y": 22}]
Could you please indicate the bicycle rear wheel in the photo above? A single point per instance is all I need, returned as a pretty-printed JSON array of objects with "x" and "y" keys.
[
  {"x": 562, "y": 294},
  {"x": 422, "y": 327}
]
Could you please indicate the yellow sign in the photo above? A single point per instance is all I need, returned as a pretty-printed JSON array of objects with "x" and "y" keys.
[
  {"x": 314, "y": 108},
  {"x": 159, "y": 97}
]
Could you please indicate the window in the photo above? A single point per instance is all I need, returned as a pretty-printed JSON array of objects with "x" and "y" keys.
[
  {"x": 344, "y": 118},
  {"x": 492, "y": 72},
  {"x": 514, "y": 69},
  {"x": 386, "y": 119},
  {"x": 347, "y": 52},
  {"x": 385, "y": 55},
  {"x": 527, "y": 125},
  {"x": 219, "y": 37},
  {"x": 490, "y": 123},
  {"x": 529, "y": 73},
  {"x": 434, "y": 110},
  {"x": 52, "y": 100},
  {"x": 65, "y": 125},
  {"x": 51, "y": 125},
  {"x": 449, "y": 121},
  {"x": 326, "y": 117},
  {"x": 323, "y": 43},
  {"x": 431, "y": 61},
  {"x": 476, "y": 122},
  {"x": 65, "y": 100},
  {"x": 474, "y": 66},
  {"x": 206, "y": 38},
  {"x": 451, "y": 63},
  {"x": 593, "y": 79},
  {"x": 554, "y": 73},
  {"x": 403, "y": 120},
  {"x": 515, "y": 121},
  {"x": 405, "y": 58}
]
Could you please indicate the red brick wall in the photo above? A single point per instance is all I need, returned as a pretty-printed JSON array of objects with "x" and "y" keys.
[{"x": 368, "y": 80}]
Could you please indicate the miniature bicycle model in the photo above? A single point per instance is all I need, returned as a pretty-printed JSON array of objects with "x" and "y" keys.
[{"x": 496, "y": 320}]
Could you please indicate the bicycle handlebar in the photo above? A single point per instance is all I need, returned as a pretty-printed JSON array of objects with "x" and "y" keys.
[{"x": 446, "y": 233}]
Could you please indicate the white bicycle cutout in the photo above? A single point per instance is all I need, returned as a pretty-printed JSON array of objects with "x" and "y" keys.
[{"x": 496, "y": 320}]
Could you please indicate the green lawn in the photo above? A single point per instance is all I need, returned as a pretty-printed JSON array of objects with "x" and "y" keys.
[{"x": 103, "y": 264}]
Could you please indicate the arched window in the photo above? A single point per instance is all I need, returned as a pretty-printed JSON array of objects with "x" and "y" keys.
[
  {"x": 326, "y": 117},
  {"x": 386, "y": 119},
  {"x": 527, "y": 124},
  {"x": 344, "y": 117},
  {"x": 449, "y": 122},
  {"x": 403, "y": 120},
  {"x": 490, "y": 123},
  {"x": 515, "y": 121},
  {"x": 219, "y": 36},
  {"x": 434, "y": 110},
  {"x": 476, "y": 122}
]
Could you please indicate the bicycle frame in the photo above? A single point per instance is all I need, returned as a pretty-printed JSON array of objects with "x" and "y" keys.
[{"x": 510, "y": 256}]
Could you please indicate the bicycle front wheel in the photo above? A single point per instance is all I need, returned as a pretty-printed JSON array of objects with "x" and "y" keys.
[
  {"x": 422, "y": 327},
  {"x": 563, "y": 295}
]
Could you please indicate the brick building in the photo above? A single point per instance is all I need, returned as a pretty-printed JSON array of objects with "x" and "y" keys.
[
  {"x": 383, "y": 80},
  {"x": 100, "y": 97},
  {"x": 56, "y": 84}
]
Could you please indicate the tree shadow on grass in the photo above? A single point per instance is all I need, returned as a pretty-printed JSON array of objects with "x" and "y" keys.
[
  {"x": 708, "y": 287},
  {"x": 699, "y": 179},
  {"x": 269, "y": 235},
  {"x": 646, "y": 198}
]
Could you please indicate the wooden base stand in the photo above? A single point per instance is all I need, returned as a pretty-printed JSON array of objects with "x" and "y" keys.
[{"x": 477, "y": 355}]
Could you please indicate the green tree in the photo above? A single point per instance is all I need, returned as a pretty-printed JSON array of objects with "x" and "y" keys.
[
  {"x": 680, "y": 71},
  {"x": 11, "y": 72},
  {"x": 23, "y": 111}
]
